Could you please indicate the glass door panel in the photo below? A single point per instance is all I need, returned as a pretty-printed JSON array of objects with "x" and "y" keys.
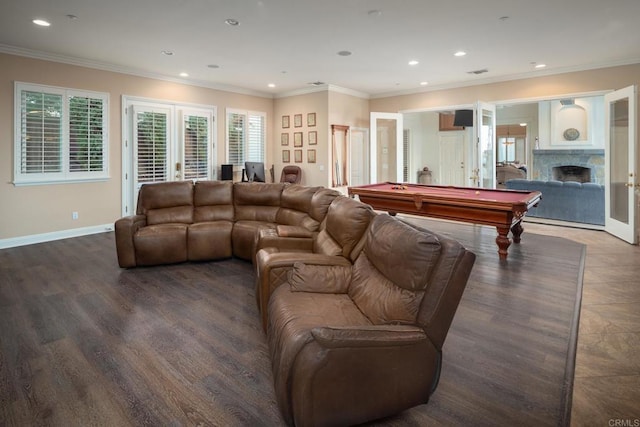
[
  {"x": 620, "y": 164},
  {"x": 387, "y": 157}
]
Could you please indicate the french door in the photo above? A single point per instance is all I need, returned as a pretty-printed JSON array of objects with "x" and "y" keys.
[
  {"x": 387, "y": 157},
  {"x": 485, "y": 153},
  {"x": 621, "y": 175},
  {"x": 165, "y": 142}
]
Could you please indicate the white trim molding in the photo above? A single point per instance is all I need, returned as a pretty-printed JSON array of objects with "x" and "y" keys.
[{"x": 54, "y": 235}]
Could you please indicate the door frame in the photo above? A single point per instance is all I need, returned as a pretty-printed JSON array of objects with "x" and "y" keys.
[
  {"x": 129, "y": 194},
  {"x": 373, "y": 149},
  {"x": 625, "y": 231}
]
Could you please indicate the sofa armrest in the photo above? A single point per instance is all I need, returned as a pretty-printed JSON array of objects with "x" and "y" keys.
[
  {"x": 273, "y": 267},
  {"x": 125, "y": 229},
  {"x": 293, "y": 231},
  {"x": 368, "y": 336},
  {"x": 327, "y": 279},
  {"x": 300, "y": 240}
]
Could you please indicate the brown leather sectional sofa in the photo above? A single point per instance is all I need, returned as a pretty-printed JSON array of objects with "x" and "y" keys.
[
  {"x": 356, "y": 305},
  {"x": 210, "y": 220}
]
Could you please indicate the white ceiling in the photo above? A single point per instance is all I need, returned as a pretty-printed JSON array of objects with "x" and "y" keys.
[{"x": 292, "y": 43}]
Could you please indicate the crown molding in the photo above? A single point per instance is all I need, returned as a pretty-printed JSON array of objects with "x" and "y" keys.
[
  {"x": 500, "y": 79},
  {"x": 103, "y": 66}
]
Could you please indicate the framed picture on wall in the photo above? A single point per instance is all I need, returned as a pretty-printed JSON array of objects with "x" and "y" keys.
[
  {"x": 297, "y": 139},
  {"x": 284, "y": 139},
  {"x": 311, "y": 155},
  {"x": 313, "y": 137},
  {"x": 285, "y": 122},
  {"x": 286, "y": 156},
  {"x": 297, "y": 156},
  {"x": 311, "y": 119},
  {"x": 297, "y": 120}
]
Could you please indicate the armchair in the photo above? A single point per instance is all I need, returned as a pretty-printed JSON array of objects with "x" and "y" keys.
[
  {"x": 291, "y": 174},
  {"x": 353, "y": 343}
]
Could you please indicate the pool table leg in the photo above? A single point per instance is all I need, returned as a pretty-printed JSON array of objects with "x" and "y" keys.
[
  {"x": 517, "y": 230},
  {"x": 503, "y": 241}
]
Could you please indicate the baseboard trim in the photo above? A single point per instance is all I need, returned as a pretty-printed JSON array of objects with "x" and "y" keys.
[{"x": 55, "y": 235}]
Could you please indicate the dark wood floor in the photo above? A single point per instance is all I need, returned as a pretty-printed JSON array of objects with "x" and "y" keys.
[{"x": 83, "y": 342}]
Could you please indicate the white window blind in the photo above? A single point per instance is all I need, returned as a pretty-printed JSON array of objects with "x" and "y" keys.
[
  {"x": 86, "y": 134},
  {"x": 151, "y": 135},
  {"x": 60, "y": 135},
  {"x": 196, "y": 146},
  {"x": 245, "y": 137}
]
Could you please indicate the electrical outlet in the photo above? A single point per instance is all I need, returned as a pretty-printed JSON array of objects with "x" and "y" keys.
[{"x": 74, "y": 215}]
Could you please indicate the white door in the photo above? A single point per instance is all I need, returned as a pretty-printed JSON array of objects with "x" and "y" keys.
[
  {"x": 621, "y": 177},
  {"x": 484, "y": 132},
  {"x": 359, "y": 167},
  {"x": 386, "y": 147},
  {"x": 451, "y": 161}
]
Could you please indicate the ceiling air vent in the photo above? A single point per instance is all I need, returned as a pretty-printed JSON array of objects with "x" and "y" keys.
[{"x": 484, "y": 70}]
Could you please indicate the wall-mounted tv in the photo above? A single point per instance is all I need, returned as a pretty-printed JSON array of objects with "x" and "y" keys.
[{"x": 463, "y": 118}]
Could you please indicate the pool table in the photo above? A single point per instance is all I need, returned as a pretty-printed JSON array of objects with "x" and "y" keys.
[{"x": 503, "y": 209}]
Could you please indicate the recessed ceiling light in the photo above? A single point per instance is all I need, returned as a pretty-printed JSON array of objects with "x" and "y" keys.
[
  {"x": 167, "y": 52},
  {"x": 460, "y": 53},
  {"x": 344, "y": 53},
  {"x": 413, "y": 62},
  {"x": 41, "y": 22},
  {"x": 183, "y": 74},
  {"x": 72, "y": 17},
  {"x": 523, "y": 124},
  {"x": 271, "y": 85},
  {"x": 540, "y": 65},
  {"x": 424, "y": 83},
  {"x": 232, "y": 22}
]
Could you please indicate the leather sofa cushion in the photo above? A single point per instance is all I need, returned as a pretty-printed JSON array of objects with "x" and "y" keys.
[
  {"x": 256, "y": 201},
  {"x": 161, "y": 244},
  {"x": 320, "y": 203},
  {"x": 347, "y": 220},
  {"x": 213, "y": 201},
  {"x": 381, "y": 300},
  {"x": 245, "y": 237},
  {"x": 391, "y": 243},
  {"x": 167, "y": 202},
  {"x": 209, "y": 240},
  {"x": 391, "y": 274},
  {"x": 288, "y": 216},
  {"x": 297, "y": 197},
  {"x": 329, "y": 279}
]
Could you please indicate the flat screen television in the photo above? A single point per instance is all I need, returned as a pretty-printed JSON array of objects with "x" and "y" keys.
[
  {"x": 254, "y": 171},
  {"x": 463, "y": 118}
]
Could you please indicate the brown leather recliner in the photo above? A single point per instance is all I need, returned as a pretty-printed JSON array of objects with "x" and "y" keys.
[
  {"x": 291, "y": 174},
  {"x": 353, "y": 343},
  {"x": 341, "y": 237}
]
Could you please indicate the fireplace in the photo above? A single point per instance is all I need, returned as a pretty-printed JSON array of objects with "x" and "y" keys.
[
  {"x": 571, "y": 173},
  {"x": 545, "y": 163}
]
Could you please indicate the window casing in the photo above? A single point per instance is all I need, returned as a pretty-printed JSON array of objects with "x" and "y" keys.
[
  {"x": 245, "y": 137},
  {"x": 60, "y": 135}
]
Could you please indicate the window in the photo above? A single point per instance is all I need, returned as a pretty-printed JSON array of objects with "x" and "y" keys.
[
  {"x": 60, "y": 135},
  {"x": 245, "y": 137}
]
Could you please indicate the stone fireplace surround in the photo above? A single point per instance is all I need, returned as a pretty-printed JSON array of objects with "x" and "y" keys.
[{"x": 545, "y": 160}]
